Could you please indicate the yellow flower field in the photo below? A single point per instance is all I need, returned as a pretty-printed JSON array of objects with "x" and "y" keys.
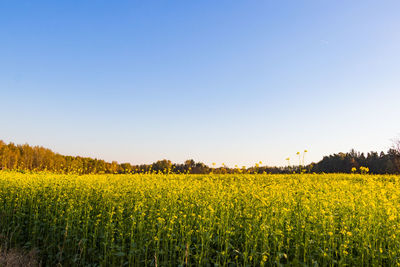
[{"x": 206, "y": 220}]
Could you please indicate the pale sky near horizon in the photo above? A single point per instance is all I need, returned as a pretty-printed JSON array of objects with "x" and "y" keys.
[{"x": 232, "y": 82}]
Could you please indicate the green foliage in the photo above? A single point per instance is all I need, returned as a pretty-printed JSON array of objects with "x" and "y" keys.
[
  {"x": 345, "y": 162},
  {"x": 206, "y": 220},
  {"x": 35, "y": 159}
]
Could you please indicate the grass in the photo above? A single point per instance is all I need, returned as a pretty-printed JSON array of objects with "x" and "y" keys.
[{"x": 188, "y": 220}]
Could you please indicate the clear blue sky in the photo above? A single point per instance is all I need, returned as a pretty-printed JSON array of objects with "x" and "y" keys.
[{"x": 217, "y": 81}]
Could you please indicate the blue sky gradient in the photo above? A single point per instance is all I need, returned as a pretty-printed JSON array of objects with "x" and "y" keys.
[{"x": 217, "y": 81}]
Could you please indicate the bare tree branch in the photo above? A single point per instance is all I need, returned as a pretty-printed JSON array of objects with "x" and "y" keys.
[{"x": 396, "y": 144}]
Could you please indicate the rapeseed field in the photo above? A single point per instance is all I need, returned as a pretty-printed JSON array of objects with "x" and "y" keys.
[{"x": 203, "y": 220}]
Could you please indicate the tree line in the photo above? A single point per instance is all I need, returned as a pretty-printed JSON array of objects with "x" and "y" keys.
[
  {"x": 378, "y": 163},
  {"x": 36, "y": 158}
]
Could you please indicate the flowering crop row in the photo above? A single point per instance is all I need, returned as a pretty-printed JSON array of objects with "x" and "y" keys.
[{"x": 188, "y": 220}]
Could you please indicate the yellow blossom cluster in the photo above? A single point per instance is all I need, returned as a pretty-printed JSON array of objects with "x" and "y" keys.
[{"x": 171, "y": 220}]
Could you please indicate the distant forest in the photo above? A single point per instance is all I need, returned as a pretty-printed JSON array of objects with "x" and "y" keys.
[{"x": 35, "y": 158}]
